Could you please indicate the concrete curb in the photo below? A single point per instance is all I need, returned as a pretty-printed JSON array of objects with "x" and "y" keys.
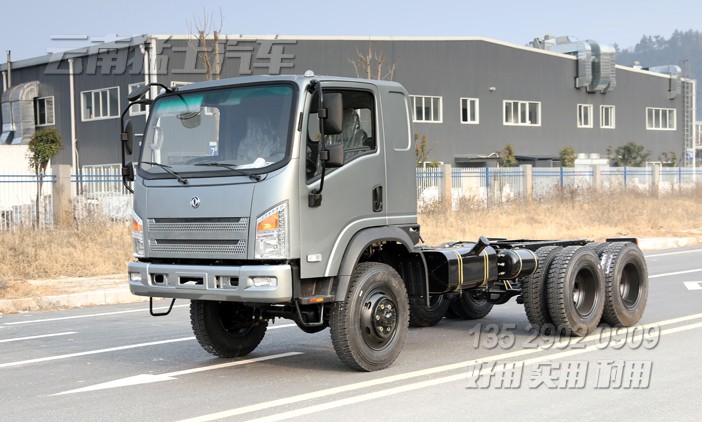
[
  {"x": 654, "y": 243},
  {"x": 72, "y": 300}
]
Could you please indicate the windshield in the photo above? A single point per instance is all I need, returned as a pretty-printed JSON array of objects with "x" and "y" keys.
[{"x": 241, "y": 130}]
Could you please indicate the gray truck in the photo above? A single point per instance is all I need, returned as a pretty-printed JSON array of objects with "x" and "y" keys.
[{"x": 294, "y": 197}]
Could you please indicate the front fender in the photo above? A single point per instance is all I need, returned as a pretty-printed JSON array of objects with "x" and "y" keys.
[{"x": 358, "y": 244}]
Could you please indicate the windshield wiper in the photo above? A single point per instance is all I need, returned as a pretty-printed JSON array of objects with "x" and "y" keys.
[
  {"x": 168, "y": 170},
  {"x": 256, "y": 177}
]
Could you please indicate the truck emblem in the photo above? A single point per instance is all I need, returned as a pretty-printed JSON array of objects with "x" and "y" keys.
[{"x": 195, "y": 202}]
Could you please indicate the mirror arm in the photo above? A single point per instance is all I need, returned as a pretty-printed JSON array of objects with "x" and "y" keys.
[
  {"x": 124, "y": 136},
  {"x": 315, "y": 197}
]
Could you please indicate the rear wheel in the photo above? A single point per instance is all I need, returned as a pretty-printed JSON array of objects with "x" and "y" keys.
[
  {"x": 626, "y": 284},
  {"x": 576, "y": 291},
  {"x": 428, "y": 316},
  {"x": 598, "y": 247},
  {"x": 471, "y": 305},
  {"x": 535, "y": 290},
  {"x": 226, "y": 329},
  {"x": 369, "y": 327}
]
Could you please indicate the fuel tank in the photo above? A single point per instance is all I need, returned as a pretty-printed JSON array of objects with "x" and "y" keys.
[{"x": 466, "y": 265}]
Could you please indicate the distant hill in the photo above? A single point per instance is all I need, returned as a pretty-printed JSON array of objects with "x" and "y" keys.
[{"x": 683, "y": 48}]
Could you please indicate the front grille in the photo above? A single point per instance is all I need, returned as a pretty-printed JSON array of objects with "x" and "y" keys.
[
  {"x": 231, "y": 225},
  {"x": 184, "y": 247},
  {"x": 208, "y": 238}
]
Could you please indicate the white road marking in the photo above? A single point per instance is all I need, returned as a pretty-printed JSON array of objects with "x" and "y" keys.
[
  {"x": 675, "y": 273},
  {"x": 67, "y": 333},
  {"x": 433, "y": 382},
  {"x": 33, "y": 321},
  {"x": 422, "y": 372},
  {"x": 151, "y": 378},
  {"x": 275, "y": 327},
  {"x": 94, "y": 352},
  {"x": 112, "y": 349},
  {"x": 693, "y": 285},
  {"x": 672, "y": 253}
]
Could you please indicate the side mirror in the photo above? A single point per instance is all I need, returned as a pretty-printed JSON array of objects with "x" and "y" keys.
[
  {"x": 128, "y": 172},
  {"x": 128, "y": 137},
  {"x": 138, "y": 93},
  {"x": 334, "y": 156},
  {"x": 334, "y": 105}
]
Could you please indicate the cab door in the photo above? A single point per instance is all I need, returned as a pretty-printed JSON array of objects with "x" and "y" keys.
[{"x": 354, "y": 195}]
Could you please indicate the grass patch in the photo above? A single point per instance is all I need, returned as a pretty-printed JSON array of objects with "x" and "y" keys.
[
  {"x": 86, "y": 250},
  {"x": 570, "y": 214}
]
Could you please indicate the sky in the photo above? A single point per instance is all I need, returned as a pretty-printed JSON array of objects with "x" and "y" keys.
[{"x": 29, "y": 26}]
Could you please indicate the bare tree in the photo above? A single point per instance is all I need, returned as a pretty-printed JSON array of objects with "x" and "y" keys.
[
  {"x": 372, "y": 65},
  {"x": 201, "y": 29}
]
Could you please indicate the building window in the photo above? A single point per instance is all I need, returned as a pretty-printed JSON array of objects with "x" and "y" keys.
[
  {"x": 522, "y": 113},
  {"x": 584, "y": 115},
  {"x": 136, "y": 109},
  {"x": 44, "y": 111},
  {"x": 660, "y": 118},
  {"x": 607, "y": 118},
  {"x": 100, "y": 104},
  {"x": 427, "y": 109},
  {"x": 469, "y": 111}
]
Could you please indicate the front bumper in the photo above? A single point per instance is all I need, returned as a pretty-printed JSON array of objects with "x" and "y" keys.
[{"x": 201, "y": 282}]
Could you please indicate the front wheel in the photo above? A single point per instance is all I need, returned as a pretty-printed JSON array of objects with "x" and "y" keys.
[
  {"x": 226, "y": 329},
  {"x": 369, "y": 327}
]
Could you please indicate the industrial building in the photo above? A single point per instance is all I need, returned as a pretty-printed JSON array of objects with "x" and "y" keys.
[{"x": 471, "y": 96}]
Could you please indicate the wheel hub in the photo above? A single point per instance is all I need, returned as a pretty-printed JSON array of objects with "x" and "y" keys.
[{"x": 378, "y": 319}]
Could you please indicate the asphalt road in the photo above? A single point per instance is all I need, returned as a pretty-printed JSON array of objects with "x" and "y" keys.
[{"x": 119, "y": 363}]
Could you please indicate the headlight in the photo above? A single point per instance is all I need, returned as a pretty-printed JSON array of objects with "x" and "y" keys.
[
  {"x": 272, "y": 233},
  {"x": 137, "y": 235}
]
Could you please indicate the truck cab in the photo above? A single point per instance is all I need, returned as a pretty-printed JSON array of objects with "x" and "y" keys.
[{"x": 241, "y": 195}]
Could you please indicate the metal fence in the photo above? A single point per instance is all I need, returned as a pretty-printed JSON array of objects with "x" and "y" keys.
[
  {"x": 489, "y": 186},
  {"x": 97, "y": 192},
  {"x": 18, "y": 200}
]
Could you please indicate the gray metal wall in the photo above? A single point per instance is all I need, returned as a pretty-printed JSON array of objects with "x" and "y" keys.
[
  {"x": 56, "y": 86},
  {"x": 97, "y": 140}
]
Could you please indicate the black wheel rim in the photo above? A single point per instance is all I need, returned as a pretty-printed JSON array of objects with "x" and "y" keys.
[
  {"x": 378, "y": 319},
  {"x": 435, "y": 301},
  {"x": 235, "y": 320},
  {"x": 478, "y": 298},
  {"x": 630, "y": 286},
  {"x": 585, "y": 293}
]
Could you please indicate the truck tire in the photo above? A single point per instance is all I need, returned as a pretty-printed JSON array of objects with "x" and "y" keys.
[
  {"x": 576, "y": 291},
  {"x": 626, "y": 284},
  {"x": 226, "y": 329},
  {"x": 535, "y": 289},
  {"x": 369, "y": 327},
  {"x": 470, "y": 306},
  {"x": 598, "y": 247},
  {"x": 428, "y": 316}
]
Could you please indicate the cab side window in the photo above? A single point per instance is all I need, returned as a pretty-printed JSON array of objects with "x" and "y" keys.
[{"x": 358, "y": 133}]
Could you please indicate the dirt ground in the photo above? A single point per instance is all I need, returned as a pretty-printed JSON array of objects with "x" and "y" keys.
[{"x": 60, "y": 286}]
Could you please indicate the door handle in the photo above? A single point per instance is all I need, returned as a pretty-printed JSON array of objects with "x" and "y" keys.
[{"x": 378, "y": 198}]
